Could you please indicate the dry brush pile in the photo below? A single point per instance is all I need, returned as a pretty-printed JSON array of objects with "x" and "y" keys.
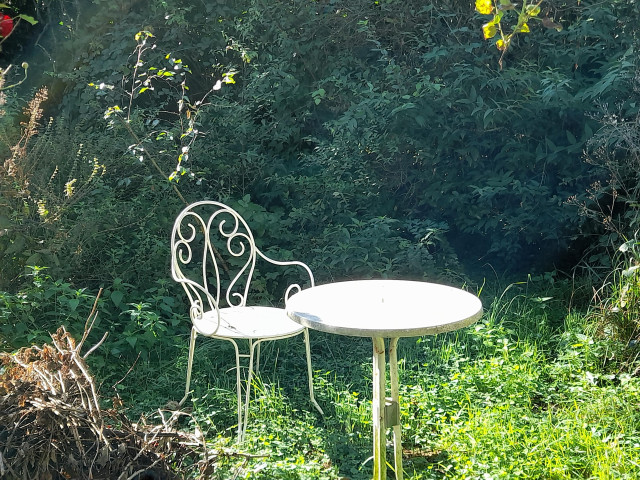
[{"x": 52, "y": 424}]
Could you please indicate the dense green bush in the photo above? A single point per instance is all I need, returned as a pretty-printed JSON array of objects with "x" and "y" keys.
[
  {"x": 136, "y": 323},
  {"x": 383, "y": 137}
]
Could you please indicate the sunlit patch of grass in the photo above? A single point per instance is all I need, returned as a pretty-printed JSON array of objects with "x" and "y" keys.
[
  {"x": 591, "y": 437},
  {"x": 529, "y": 392}
]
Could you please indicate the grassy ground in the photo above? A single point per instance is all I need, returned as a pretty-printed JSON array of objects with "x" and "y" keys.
[{"x": 529, "y": 392}]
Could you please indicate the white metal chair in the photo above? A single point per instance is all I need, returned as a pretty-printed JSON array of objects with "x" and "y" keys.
[{"x": 213, "y": 256}]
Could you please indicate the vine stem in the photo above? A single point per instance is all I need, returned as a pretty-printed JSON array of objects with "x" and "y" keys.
[
  {"x": 173, "y": 185},
  {"x": 151, "y": 159}
]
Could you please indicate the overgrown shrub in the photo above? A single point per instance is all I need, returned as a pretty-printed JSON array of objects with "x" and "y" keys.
[{"x": 392, "y": 114}]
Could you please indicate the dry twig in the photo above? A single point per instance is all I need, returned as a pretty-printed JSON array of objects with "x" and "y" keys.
[{"x": 52, "y": 425}]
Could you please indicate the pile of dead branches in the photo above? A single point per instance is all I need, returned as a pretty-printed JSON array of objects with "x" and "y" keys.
[{"x": 52, "y": 425}]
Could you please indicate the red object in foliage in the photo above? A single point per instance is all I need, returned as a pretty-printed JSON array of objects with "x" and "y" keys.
[{"x": 6, "y": 25}]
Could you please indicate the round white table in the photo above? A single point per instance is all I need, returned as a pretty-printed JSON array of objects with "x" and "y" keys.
[{"x": 383, "y": 309}]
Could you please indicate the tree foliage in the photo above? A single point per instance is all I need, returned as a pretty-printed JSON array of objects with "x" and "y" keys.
[{"x": 369, "y": 137}]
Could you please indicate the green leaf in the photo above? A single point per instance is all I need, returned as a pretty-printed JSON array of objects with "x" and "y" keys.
[
  {"x": 73, "y": 304},
  {"x": 626, "y": 246},
  {"x": 506, "y": 5},
  {"x": 116, "y": 297},
  {"x": 406, "y": 106},
  {"x": 35, "y": 259},
  {"x": 533, "y": 10},
  {"x": 28, "y": 18},
  {"x": 541, "y": 299},
  {"x": 17, "y": 245},
  {"x": 489, "y": 30}
]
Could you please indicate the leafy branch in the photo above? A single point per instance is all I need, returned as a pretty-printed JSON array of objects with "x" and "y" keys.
[
  {"x": 530, "y": 10},
  {"x": 144, "y": 79},
  {"x": 4, "y": 72}
]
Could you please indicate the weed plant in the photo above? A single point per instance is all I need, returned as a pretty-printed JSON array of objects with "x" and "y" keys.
[{"x": 531, "y": 391}]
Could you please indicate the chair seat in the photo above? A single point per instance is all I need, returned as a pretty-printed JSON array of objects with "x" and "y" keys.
[{"x": 248, "y": 322}]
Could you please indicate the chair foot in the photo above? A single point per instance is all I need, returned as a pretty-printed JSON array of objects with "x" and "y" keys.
[
  {"x": 315, "y": 404},
  {"x": 184, "y": 399}
]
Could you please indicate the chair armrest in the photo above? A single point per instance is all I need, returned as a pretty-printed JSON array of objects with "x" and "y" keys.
[{"x": 294, "y": 287}]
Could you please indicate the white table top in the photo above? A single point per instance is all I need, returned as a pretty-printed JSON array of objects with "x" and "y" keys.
[{"x": 384, "y": 308}]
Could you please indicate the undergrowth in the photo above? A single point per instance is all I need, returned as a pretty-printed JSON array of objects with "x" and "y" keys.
[{"x": 532, "y": 390}]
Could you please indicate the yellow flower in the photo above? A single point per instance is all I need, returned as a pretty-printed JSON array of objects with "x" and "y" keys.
[{"x": 485, "y": 7}]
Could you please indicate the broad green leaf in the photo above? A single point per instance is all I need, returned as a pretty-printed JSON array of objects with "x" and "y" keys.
[
  {"x": 17, "y": 245},
  {"x": 35, "y": 259},
  {"x": 626, "y": 246},
  {"x": 73, "y": 304},
  {"x": 116, "y": 297},
  {"x": 507, "y": 5},
  {"x": 489, "y": 30},
  {"x": 405, "y": 106},
  {"x": 533, "y": 10},
  {"x": 28, "y": 18}
]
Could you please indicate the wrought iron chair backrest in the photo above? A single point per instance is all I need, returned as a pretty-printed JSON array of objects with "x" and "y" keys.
[{"x": 214, "y": 257}]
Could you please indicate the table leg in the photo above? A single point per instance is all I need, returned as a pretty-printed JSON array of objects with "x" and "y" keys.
[
  {"x": 379, "y": 429},
  {"x": 395, "y": 398}
]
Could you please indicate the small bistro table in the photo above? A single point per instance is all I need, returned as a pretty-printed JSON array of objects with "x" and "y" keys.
[{"x": 383, "y": 309}]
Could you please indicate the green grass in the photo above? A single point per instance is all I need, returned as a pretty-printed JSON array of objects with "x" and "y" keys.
[{"x": 529, "y": 392}]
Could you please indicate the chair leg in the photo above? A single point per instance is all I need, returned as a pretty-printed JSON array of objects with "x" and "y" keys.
[
  {"x": 238, "y": 391},
  {"x": 192, "y": 345},
  {"x": 257, "y": 367},
  {"x": 254, "y": 359},
  {"x": 243, "y": 409},
  {"x": 310, "y": 372},
  {"x": 253, "y": 346}
]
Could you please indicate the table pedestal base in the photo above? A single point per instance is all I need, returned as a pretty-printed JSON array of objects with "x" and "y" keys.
[{"x": 386, "y": 411}]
